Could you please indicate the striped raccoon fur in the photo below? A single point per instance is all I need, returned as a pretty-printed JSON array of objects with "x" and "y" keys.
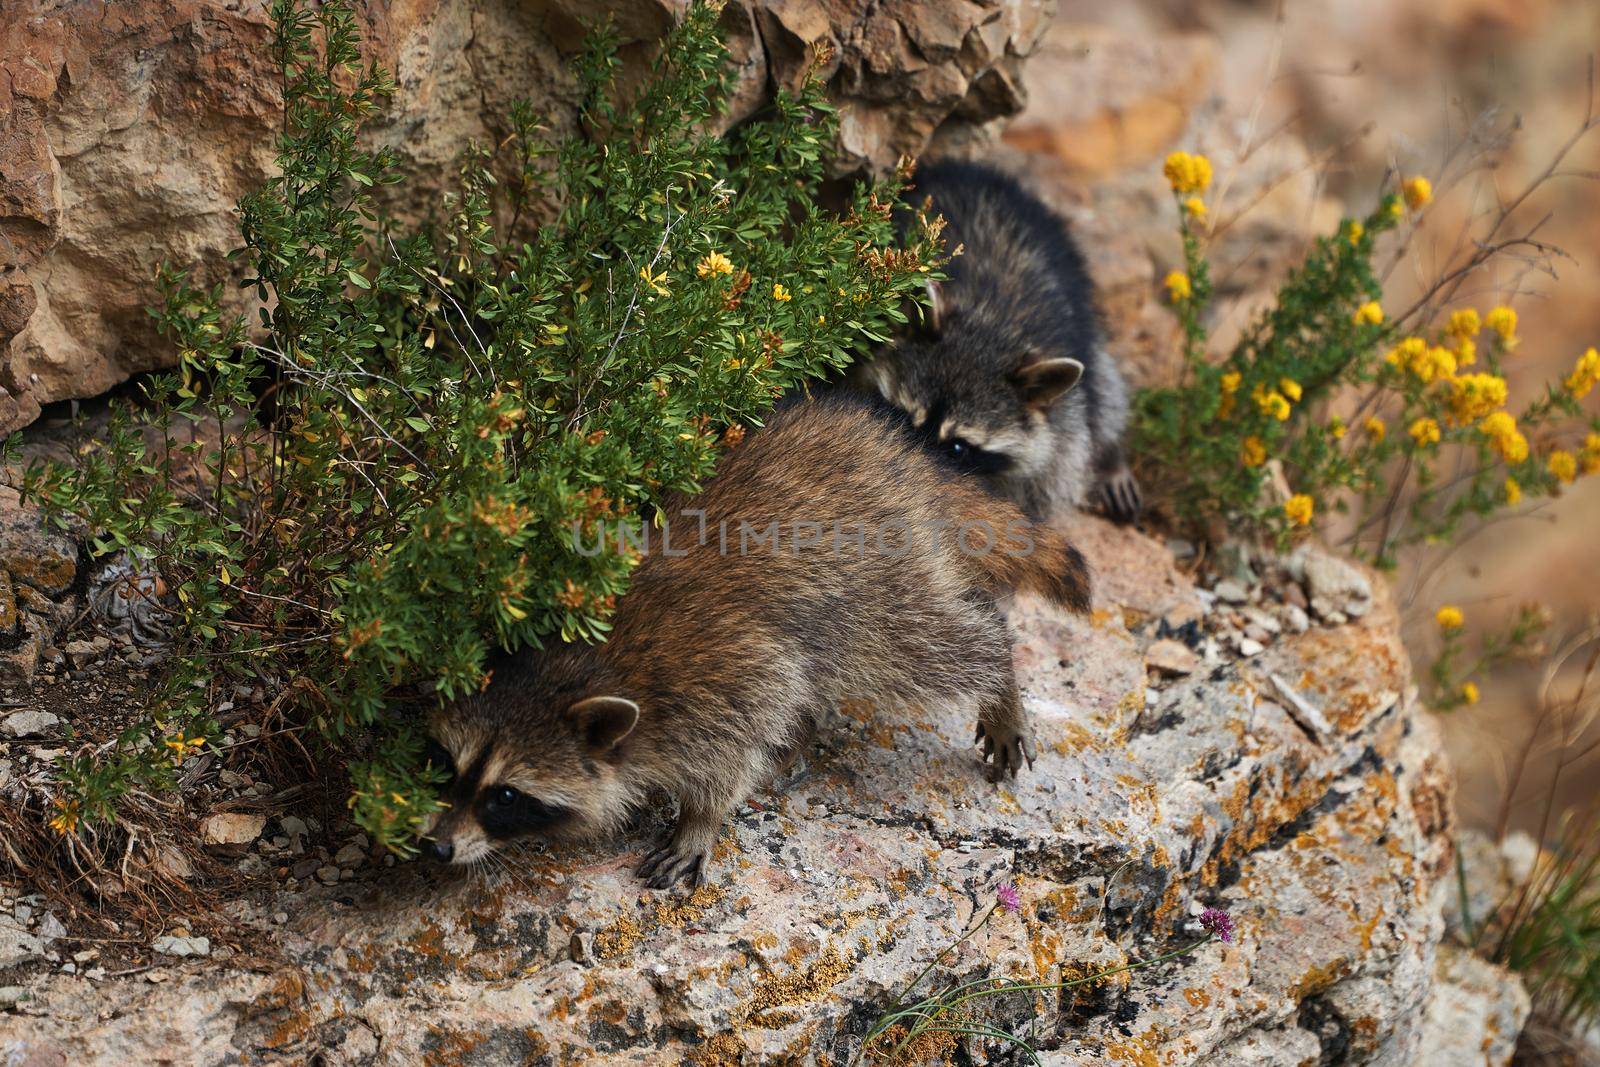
[
  {"x": 1009, "y": 373},
  {"x": 729, "y": 649}
]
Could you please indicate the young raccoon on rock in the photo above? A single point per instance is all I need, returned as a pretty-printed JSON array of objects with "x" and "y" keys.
[
  {"x": 832, "y": 557},
  {"x": 1009, "y": 373}
]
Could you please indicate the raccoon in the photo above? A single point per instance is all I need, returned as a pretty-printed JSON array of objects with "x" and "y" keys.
[
  {"x": 1009, "y": 373},
  {"x": 734, "y": 644}
]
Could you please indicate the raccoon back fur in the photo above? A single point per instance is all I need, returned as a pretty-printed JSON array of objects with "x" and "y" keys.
[
  {"x": 1009, "y": 373},
  {"x": 729, "y": 648}
]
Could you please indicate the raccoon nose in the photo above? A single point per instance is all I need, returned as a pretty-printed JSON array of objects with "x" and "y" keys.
[{"x": 441, "y": 850}]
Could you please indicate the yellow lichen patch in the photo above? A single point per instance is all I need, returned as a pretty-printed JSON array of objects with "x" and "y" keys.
[
  {"x": 1143, "y": 1050},
  {"x": 1075, "y": 738},
  {"x": 1318, "y": 979},
  {"x": 619, "y": 937},
  {"x": 801, "y": 986},
  {"x": 720, "y": 1050},
  {"x": 1198, "y": 997},
  {"x": 676, "y": 913}
]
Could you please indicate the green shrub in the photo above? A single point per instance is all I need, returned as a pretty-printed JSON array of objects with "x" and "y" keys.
[
  {"x": 450, "y": 403},
  {"x": 1399, "y": 424}
]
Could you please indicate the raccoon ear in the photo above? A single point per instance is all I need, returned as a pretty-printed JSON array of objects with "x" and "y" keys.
[
  {"x": 1047, "y": 380},
  {"x": 603, "y": 721}
]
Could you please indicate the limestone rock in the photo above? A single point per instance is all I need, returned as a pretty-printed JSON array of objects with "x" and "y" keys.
[
  {"x": 1171, "y": 657},
  {"x": 181, "y": 945},
  {"x": 38, "y": 579},
  {"x": 1474, "y": 1014},
  {"x": 827, "y": 894},
  {"x": 1103, "y": 101},
  {"x": 231, "y": 831},
  {"x": 1334, "y": 586},
  {"x": 17, "y": 945},
  {"x": 28, "y": 723},
  {"x": 128, "y": 137}
]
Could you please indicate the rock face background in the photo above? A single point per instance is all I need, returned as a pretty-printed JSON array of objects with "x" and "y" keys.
[
  {"x": 1301, "y": 788},
  {"x": 128, "y": 130}
]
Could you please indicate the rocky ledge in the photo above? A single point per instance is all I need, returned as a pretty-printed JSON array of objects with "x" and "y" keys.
[{"x": 1256, "y": 747}]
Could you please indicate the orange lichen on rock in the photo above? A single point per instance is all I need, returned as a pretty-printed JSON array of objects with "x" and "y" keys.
[{"x": 620, "y": 936}]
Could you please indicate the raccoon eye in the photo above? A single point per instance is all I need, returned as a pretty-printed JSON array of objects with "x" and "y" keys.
[
  {"x": 502, "y": 796},
  {"x": 959, "y": 448}
]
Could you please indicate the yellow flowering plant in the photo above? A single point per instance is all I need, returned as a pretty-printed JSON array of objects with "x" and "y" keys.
[
  {"x": 1326, "y": 357},
  {"x": 1454, "y": 677},
  {"x": 471, "y": 399}
]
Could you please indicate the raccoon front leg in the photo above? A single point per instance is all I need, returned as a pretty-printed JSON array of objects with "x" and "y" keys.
[
  {"x": 1119, "y": 490},
  {"x": 686, "y": 853},
  {"x": 1003, "y": 728}
]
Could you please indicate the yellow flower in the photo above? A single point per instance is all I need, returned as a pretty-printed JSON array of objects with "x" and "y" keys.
[
  {"x": 1417, "y": 191},
  {"x": 1354, "y": 232},
  {"x": 1466, "y": 351},
  {"x": 182, "y": 746},
  {"x": 1469, "y": 692},
  {"x": 1513, "y": 448},
  {"x": 1407, "y": 354},
  {"x": 1590, "y": 456},
  {"x": 1337, "y": 428},
  {"x": 1464, "y": 323},
  {"x": 1370, "y": 313},
  {"x": 1178, "y": 287},
  {"x": 1562, "y": 464},
  {"x": 1503, "y": 321},
  {"x": 714, "y": 263},
  {"x": 1449, "y": 617},
  {"x": 1435, "y": 363},
  {"x": 1187, "y": 173},
  {"x": 1375, "y": 428},
  {"x": 780, "y": 294},
  {"x": 1476, "y": 396},
  {"x": 1513, "y": 492},
  {"x": 1290, "y": 388},
  {"x": 66, "y": 817},
  {"x": 1299, "y": 508},
  {"x": 1230, "y": 385},
  {"x": 1424, "y": 432},
  {"x": 1253, "y": 452},
  {"x": 1585, "y": 374},
  {"x": 1498, "y": 424},
  {"x": 1272, "y": 403},
  {"x": 655, "y": 281},
  {"x": 1195, "y": 207}
]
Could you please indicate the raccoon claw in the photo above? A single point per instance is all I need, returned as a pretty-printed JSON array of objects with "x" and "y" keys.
[
  {"x": 1121, "y": 494},
  {"x": 667, "y": 866},
  {"x": 1005, "y": 750}
]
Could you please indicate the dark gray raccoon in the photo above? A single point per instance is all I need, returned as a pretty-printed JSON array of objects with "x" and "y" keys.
[{"x": 1009, "y": 374}]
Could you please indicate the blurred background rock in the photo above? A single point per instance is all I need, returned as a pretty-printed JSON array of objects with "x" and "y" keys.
[{"x": 1305, "y": 107}]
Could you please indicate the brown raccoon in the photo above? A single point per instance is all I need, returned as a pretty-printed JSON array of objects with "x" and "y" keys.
[
  {"x": 1010, "y": 375},
  {"x": 733, "y": 644}
]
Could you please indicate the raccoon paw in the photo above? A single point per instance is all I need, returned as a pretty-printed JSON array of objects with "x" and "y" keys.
[
  {"x": 1005, "y": 748},
  {"x": 670, "y": 864},
  {"x": 1120, "y": 492}
]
